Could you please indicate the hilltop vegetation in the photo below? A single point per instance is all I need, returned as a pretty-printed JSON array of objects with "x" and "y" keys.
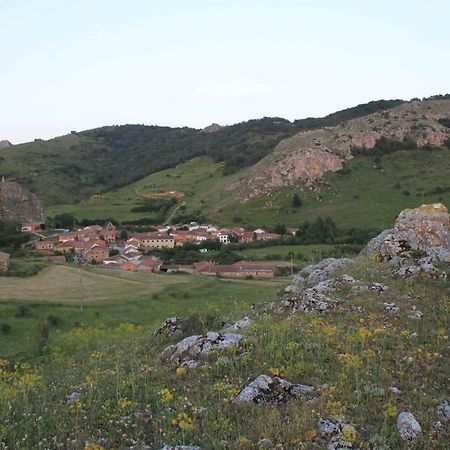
[
  {"x": 367, "y": 193},
  {"x": 70, "y": 168}
]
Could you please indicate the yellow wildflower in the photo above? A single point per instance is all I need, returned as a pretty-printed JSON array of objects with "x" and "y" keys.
[
  {"x": 180, "y": 371},
  {"x": 389, "y": 410}
]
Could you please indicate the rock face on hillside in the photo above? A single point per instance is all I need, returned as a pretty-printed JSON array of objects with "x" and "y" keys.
[
  {"x": 418, "y": 233},
  {"x": 5, "y": 144},
  {"x": 307, "y": 156},
  {"x": 18, "y": 204},
  {"x": 211, "y": 128}
]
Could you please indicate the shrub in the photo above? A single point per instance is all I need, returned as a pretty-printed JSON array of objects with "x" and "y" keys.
[{"x": 5, "y": 328}]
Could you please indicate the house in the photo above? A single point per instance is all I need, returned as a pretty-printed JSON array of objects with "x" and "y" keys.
[
  {"x": 33, "y": 226},
  {"x": 266, "y": 236},
  {"x": 4, "y": 262},
  {"x": 247, "y": 236},
  {"x": 223, "y": 238},
  {"x": 113, "y": 261},
  {"x": 110, "y": 233},
  {"x": 97, "y": 253},
  {"x": 129, "y": 265},
  {"x": 155, "y": 240},
  {"x": 149, "y": 265},
  {"x": 45, "y": 245}
]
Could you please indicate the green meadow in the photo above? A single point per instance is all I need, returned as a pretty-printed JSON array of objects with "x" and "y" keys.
[{"x": 110, "y": 298}]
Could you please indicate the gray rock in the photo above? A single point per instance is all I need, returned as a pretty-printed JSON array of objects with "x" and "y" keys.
[
  {"x": 379, "y": 288},
  {"x": 243, "y": 323},
  {"x": 408, "y": 428},
  {"x": 315, "y": 273},
  {"x": 415, "y": 313},
  {"x": 332, "y": 431},
  {"x": 71, "y": 398},
  {"x": 267, "y": 389},
  {"x": 180, "y": 447},
  {"x": 391, "y": 308},
  {"x": 192, "y": 349},
  {"x": 443, "y": 411},
  {"x": 265, "y": 443}
]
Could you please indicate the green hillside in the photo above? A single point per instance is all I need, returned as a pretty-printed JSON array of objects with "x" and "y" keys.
[
  {"x": 70, "y": 168},
  {"x": 369, "y": 192}
]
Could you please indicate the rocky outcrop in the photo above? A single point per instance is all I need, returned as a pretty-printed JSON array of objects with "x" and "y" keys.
[
  {"x": 315, "y": 273},
  {"x": 18, "y": 204},
  {"x": 211, "y": 128},
  {"x": 5, "y": 144},
  {"x": 419, "y": 240},
  {"x": 267, "y": 389},
  {"x": 191, "y": 351},
  {"x": 308, "y": 155}
]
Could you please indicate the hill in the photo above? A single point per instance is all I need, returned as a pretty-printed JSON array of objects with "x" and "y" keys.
[
  {"x": 70, "y": 168},
  {"x": 307, "y": 156}
]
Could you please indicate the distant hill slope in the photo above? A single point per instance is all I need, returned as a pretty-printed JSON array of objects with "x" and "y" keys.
[
  {"x": 69, "y": 168},
  {"x": 307, "y": 156}
]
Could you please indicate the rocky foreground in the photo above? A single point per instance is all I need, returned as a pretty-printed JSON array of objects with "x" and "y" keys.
[{"x": 354, "y": 354}]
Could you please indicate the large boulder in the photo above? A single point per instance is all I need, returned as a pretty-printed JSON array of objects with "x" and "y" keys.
[
  {"x": 267, "y": 389},
  {"x": 417, "y": 233},
  {"x": 170, "y": 327},
  {"x": 190, "y": 351}
]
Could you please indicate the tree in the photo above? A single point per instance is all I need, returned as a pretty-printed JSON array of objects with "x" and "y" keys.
[
  {"x": 280, "y": 228},
  {"x": 296, "y": 201}
]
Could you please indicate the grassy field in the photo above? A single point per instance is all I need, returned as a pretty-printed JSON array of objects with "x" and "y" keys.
[
  {"x": 353, "y": 355},
  {"x": 199, "y": 183},
  {"x": 113, "y": 297},
  {"x": 362, "y": 196}
]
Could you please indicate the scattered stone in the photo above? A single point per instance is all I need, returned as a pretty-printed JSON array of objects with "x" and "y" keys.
[
  {"x": 243, "y": 323},
  {"x": 170, "y": 327},
  {"x": 415, "y": 313},
  {"x": 267, "y": 389},
  {"x": 339, "y": 434},
  {"x": 71, "y": 398},
  {"x": 379, "y": 288},
  {"x": 392, "y": 308},
  {"x": 395, "y": 390},
  {"x": 408, "y": 428},
  {"x": 265, "y": 443},
  {"x": 180, "y": 447},
  {"x": 190, "y": 350},
  {"x": 443, "y": 411}
]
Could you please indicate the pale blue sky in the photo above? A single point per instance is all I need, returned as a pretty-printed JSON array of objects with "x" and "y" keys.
[{"x": 78, "y": 64}]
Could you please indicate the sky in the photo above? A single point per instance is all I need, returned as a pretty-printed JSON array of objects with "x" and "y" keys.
[{"x": 79, "y": 64}]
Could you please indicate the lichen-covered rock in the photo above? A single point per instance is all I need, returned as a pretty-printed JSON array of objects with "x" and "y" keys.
[
  {"x": 418, "y": 232},
  {"x": 408, "y": 428},
  {"x": 267, "y": 389},
  {"x": 315, "y": 273},
  {"x": 391, "y": 308},
  {"x": 192, "y": 349},
  {"x": 338, "y": 433},
  {"x": 170, "y": 327}
]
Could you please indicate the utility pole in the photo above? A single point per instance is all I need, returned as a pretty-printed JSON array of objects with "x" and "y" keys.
[
  {"x": 292, "y": 264},
  {"x": 81, "y": 286}
]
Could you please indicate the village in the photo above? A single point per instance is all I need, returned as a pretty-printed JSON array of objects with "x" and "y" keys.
[{"x": 112, "y": 248}]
